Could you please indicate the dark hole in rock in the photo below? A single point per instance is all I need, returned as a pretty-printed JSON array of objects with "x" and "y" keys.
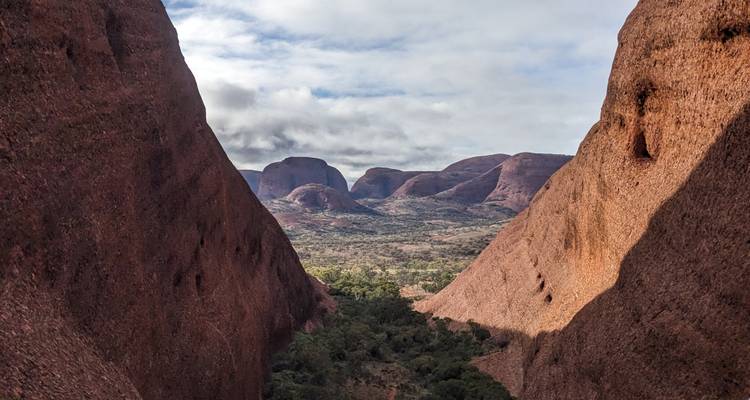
[
  {"x": 644, "y": 92},
  {"x": 729, "y": 33},
  {"x": 115, "y": 38},
  {"x": 503, "y": 344},
  {"x": 538, "y": 276},
  {"x": 640, "y": 147},
  {"x": 177, "y": 279},
  {"x": 548, "y": 299},
  {"x": 69, "y": 53},
  {"x": 199, "y": 283},
  {"x": 203, "y": 241},
  {"x": 541, "y": 286}
]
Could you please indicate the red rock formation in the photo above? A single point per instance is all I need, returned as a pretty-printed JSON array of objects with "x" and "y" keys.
[
  {"x": 379, "y": 183},
  {"x": 431, "y": 183},
  {"x": 134, "y": 261},
  {"x": 320, "y": 197},
  {"x": 478, "y": 165},
  {"x": 279, "y": 179},
  {"x": 521, "y": 176},
  {"x": 512, "y": 184},
  {"x": 252, "y": 178},
  {"x": 635, "y": 252},
  {"x": 474, "y": 190}
]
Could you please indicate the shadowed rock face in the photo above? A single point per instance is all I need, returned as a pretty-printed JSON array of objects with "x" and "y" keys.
[
  {"x": 279, "y": 179},
  {"x": 676, "y": 322},
  {"x": 134, "y": 261},
  {"x": 632, "y": 251},
  {"x": 379, "y": 183},
  {"x": 320, "y": 197},
  {"x": 252, "y": 178}
]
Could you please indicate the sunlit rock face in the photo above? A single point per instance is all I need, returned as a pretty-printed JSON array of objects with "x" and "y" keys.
[{"x": 634, "y": 255}]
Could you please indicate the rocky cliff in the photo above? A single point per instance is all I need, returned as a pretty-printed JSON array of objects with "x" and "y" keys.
[
  {"x": 626, "y": 277},
  {"x": 281, "y": 178},
  {"x": 134, "y": 261}
]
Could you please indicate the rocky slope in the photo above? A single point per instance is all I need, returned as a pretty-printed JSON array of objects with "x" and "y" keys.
[
  {"x": 279, "y": 179},
  {"x": 134, "y": 261},
  {"x": 314, "y": 196},
  {"x": 252, "y": 178},
  {"x": 633, "y": 254},
  {"x": 379, "y": 183}
]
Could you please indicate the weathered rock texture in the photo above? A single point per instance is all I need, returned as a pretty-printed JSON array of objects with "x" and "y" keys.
[
  {"x": 379, "y": 183},
  {"x": 320, "y": 197},
  {"x": 521, "y": 176},
  {"x": 252, "y": 178},
  {"x": 134, "y": 261},
  {"x": 635, "y": 253},
  {"x": 279, "y": 179}
]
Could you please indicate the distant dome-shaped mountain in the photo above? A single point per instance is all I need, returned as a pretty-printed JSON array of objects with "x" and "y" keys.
[
  {"x": 315, "y": 196},
  {"x": 512, "y": 184},
  {"x": 281, "y": 178},
  {"x": 432, "y": 183},
  {"x": 478, "y": 165},
  {"x": 379, "y": 183},
  {"x": 521, "y": 176},
  {"x": 474, "y": 190}
]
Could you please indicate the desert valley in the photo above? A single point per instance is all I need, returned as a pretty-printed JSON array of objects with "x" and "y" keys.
[{"x": 138, "y": 262}]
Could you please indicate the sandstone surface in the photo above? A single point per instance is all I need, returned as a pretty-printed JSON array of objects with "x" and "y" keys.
[
  {"x": 134, "y": 261},
  {"x": 627, "y": 275}
]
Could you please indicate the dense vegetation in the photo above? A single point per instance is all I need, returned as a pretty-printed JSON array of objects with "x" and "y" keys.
[{"x": 376, "y": 346}]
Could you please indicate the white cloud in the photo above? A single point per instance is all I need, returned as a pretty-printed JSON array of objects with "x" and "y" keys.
[{"x": 410, "y": 84}]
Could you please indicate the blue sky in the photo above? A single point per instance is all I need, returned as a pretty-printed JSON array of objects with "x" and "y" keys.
[{"x": 409, "y": 84}]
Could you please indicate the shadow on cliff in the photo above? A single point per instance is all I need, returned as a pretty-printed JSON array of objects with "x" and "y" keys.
[{"x": 676, "y": 324}]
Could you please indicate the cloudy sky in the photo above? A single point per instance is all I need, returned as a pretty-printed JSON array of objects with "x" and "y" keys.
[{"x": 409, "y": 84}]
